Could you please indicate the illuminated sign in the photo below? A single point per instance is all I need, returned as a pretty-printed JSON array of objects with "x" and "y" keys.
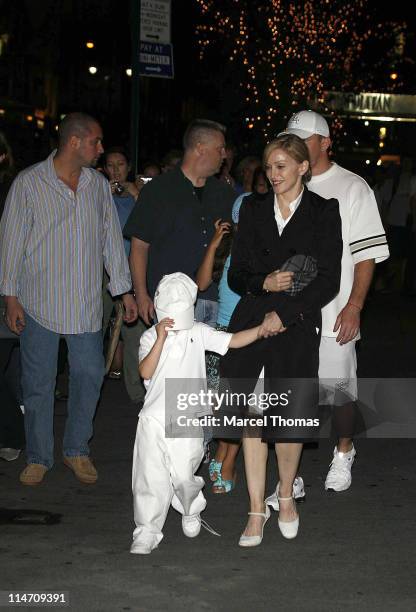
[{"x": 392, "y": 105}]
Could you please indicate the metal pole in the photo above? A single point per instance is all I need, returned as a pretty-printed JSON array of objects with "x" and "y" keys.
[{"x": 135, "y": 82}]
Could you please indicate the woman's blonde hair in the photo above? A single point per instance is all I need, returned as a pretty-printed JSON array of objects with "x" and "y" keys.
[{"x": 294, "y": 146}]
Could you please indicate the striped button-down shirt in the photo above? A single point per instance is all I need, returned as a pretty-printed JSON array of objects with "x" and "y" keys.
[{"x": 54, "y": 244}]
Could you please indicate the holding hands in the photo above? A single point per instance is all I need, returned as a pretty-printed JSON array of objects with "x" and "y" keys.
[{"x": 271, "y": 326}]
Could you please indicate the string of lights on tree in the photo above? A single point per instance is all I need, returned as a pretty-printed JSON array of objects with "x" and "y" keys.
[{"x": 284, "y": 54}]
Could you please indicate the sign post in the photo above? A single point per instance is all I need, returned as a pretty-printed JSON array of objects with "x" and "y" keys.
[
  {"x": 135, "y": 83},
  {"x": 152, "y": 55},
  {"x": 155, "y": 21},
  {"x": 156, "y": 60},
  {"x": 156, "y": 52}
]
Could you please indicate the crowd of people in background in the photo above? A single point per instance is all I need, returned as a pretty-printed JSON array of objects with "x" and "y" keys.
[{"x": 267, "y": 242}]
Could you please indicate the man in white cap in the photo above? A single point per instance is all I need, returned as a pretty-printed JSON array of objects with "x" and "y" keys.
[
  {"x": 364, "y": 245},
  {"x": 164, "y": 467}
]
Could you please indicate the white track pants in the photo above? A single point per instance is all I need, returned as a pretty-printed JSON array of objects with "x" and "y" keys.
[{"x": 163, "y": 474}]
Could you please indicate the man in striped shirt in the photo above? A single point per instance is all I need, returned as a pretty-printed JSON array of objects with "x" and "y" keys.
[{"x": 58, "y": 231}]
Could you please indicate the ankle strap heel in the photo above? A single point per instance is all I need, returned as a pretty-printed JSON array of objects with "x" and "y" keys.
[
  {"x": 248, "y": 541},
  {"x": 289, "y": 529}
]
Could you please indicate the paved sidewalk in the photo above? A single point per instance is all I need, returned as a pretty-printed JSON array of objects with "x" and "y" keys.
[{"x": 355, "y": 550}]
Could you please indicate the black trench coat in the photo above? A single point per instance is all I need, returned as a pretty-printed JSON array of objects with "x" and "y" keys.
[{"x": 290, "y": 359}]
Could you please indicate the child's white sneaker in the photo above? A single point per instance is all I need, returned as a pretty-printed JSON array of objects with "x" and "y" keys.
[
  {"x": 139, "y": 547},
  {"x": 191, "y": 525}
]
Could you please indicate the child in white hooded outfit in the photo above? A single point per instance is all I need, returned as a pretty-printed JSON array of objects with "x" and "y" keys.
[{"x": 164, "y": 467}]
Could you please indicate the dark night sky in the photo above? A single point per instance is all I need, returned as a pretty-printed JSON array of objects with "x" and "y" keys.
[{"x": 166, "y": 106}]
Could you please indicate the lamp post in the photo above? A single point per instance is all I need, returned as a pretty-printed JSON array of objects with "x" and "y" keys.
[{"x": 135, "y": 82}]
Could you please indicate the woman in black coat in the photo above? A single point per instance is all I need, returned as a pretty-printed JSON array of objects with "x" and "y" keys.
[{"x": 290, "y": 221}]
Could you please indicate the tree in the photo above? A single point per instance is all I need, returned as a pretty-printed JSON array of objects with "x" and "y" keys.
[{"x": 276, "y": 56}]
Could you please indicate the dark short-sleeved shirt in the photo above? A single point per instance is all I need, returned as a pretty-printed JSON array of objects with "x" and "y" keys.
[{"x": 177, "y": 225}]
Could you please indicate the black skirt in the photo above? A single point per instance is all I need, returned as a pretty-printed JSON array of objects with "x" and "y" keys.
[{"x": 290, "y": 362}]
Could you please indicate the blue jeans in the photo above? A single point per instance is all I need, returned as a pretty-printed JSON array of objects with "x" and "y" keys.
[
  {"x": 39, "y": 353},
  {"x": 206, "y": 312}
]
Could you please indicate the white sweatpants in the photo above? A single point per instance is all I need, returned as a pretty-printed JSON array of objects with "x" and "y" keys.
[{"x": 163, "y": 474}]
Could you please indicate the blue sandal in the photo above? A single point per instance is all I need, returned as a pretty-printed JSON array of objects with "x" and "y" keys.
[
  {"x": 224, "y": 486},
  {"x": 214, "y": 470}
]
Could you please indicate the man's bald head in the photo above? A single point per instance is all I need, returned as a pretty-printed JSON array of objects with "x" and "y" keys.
[{"x": 75, "y": 124}]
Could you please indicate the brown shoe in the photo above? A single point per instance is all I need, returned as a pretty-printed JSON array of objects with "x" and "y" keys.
[
  {"x": 83, "y": 468},
  {"x": 33, "y": 474}
]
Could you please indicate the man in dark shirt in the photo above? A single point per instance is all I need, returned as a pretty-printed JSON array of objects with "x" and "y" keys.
[{"x": 173, "y": 220}]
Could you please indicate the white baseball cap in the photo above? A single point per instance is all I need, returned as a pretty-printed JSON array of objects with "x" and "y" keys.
[
  {"x": 306, "y": 123},
  {"x": 175, "y": 298}
]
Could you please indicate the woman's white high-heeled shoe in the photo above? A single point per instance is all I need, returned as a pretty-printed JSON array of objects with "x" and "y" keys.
[
  {"x": 255, "y": 540},
  {"x": 288, "y": 529}
]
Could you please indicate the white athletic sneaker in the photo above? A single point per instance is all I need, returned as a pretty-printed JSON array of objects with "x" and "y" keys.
[
  {"x": 192, "y": 523},
  {"x": 339, "y": 475},
  {"x": 141, "y": 548},
  {"x": 298, "y": 493},
  {"x": 143, "y": 544}
]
